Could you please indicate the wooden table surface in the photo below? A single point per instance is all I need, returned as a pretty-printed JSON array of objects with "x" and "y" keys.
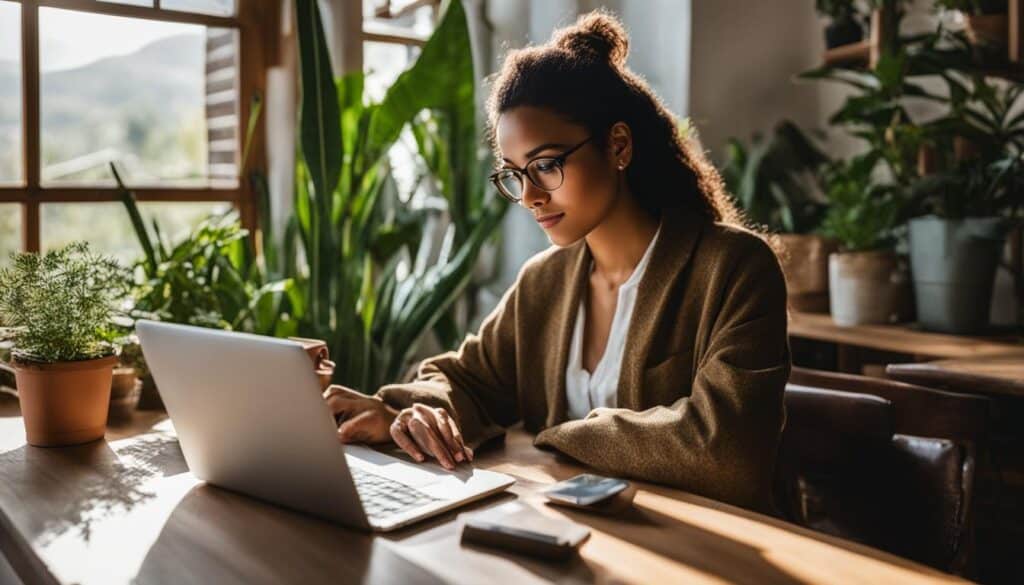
[
  {"x": 126, "y": 510},
  {"x": 901, "y": 339},
  {"x": 1001, "y": 375}
]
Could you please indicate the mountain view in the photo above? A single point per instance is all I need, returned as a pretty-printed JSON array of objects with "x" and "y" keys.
[{"x": 144, "y": 109}]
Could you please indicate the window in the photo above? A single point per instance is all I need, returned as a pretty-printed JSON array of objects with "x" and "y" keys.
[
  {"x": 159, "y": 87},
  {"x": 63, "y": 223},
  {"x": 10, "y": 231},
  {"x": 10, "y": 97},
  {"x": 393, "y": 33}
]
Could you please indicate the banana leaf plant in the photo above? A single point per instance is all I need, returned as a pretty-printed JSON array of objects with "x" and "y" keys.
[
  {"x": 352, "y": 227},
  {"x": 775, "y": 179}
]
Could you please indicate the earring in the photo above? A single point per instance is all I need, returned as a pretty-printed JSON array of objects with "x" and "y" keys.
[{"x": 622, "y": 165}]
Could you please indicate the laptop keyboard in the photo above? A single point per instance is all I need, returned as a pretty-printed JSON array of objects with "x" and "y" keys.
[{"x": 383, "y": 497}]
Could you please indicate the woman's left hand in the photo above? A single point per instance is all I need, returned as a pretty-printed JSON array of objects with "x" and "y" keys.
[{"x": 361, "y": 418}]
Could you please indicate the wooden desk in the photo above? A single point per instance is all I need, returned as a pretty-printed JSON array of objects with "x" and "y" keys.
[{"x": 126, "y": 510}]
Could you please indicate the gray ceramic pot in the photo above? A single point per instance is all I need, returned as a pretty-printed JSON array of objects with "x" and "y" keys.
[{"x": 954, "y": 265}]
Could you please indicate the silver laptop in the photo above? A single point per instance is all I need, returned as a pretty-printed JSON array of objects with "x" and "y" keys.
[{"x": 250, "y": 418}]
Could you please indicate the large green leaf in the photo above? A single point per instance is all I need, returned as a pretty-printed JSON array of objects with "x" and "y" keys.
[{"x": 319, "y": 118}]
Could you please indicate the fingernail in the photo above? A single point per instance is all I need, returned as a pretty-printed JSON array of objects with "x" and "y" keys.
[
  {"x": 458, "y": 456},
  {"x": 419, "y": 458}
]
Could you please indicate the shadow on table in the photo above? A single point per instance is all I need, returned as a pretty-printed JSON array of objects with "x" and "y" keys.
[
  {"x": 217, "y": 536},
  {"x": 75, "y": 488}
]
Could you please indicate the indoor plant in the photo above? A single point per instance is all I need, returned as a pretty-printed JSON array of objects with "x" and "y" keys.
[
  {"x": 868, "y": 282},
  {"x": 776, "y": 183},
  {"x": 966, "y": 205},
  {"x": 58, "y": 307},
  {"x": 368, "y": 275},
  {"x": 955, "y": 249}
]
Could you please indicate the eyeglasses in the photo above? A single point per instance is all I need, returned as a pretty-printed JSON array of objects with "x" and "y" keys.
[{"x": 545, "y": 172}]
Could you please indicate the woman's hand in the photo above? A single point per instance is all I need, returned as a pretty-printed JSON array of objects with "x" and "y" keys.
[
  {"x": 422, "y": 429},
  {"x": 419, "y": 430},
  {"x": 361, "y": 418}
]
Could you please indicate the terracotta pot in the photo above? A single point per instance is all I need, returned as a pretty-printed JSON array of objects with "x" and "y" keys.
[
  {"x": 122, "y": 383},
  {"x": 987, "y": 29},
  {"x": 64, "y": 403},
  {"x": 869, "y": 287},
  {"x": 805, "y": 264},
  {"x": 121, "y": 408}
]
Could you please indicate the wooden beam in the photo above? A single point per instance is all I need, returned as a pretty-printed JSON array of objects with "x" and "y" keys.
[
  {"x": 30, "y": 122},
  {"x": 99, "y": 194},
  {"x": 382, "y": 33},
  {"x": 146, "y": 12},
  {"x": 1015, "y": 44}
]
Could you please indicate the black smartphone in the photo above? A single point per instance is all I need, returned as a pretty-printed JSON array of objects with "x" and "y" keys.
[{"x": 585, "y": 490}]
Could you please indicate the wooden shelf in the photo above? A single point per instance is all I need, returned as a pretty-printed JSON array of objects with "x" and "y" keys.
[
  {"x": 854, "y": 54},
  {"x": 902, "y": 339},
  {"x": 865, "y": 53}
]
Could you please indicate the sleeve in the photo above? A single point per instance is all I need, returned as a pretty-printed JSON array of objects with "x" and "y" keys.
[
  {"x": 721, "y": 440},
  {"x": 477, "y": 383}
]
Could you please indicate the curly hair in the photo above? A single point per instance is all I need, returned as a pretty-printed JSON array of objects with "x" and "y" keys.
[{"x": 581, "y": 74}]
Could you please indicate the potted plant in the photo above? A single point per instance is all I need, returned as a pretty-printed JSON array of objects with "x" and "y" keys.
[
  {"x": 986, "y": 22},
  {"x": 956, "y": 247},
  {"x": 58, "y": 307},
  {"x": 843, "y": 28},
  {"x": 868, "y": 281},
  {"x": 776, "y": 182},
  {"x": 957, "y": 242}
]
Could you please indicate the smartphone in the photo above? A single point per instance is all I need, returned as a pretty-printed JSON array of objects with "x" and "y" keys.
[{"x": 585, "y": 489}]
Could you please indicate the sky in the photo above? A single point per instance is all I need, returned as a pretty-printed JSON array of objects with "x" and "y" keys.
[{"x": 69, "y": 39}]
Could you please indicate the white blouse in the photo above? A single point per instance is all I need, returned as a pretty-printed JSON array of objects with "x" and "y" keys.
[{"x": 584, "y": 390}]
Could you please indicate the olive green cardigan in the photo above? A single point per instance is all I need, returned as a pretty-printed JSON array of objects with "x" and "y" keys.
[{"x": 700, "y": 390}]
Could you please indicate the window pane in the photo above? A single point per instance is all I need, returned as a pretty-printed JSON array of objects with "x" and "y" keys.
[
  {"x": 383, "y": 63},
  {"x": 159, "y": 97},
  {"x": 394, "y": 15},
  {"x": 10, "y": 230},
  {"x": 215, "y": 7},
  {"x": 107, "y": 228},
  {"x": 10, "y": 93}
]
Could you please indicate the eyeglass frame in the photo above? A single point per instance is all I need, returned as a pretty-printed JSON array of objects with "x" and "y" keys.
[{"x": 522, "y": 172}]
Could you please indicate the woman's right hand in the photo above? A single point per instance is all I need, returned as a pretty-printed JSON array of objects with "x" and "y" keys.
[{"x": 422, "y": 431}]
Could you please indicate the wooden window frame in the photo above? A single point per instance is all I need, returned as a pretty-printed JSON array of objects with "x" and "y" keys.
[{"x": 256, "y": 23}]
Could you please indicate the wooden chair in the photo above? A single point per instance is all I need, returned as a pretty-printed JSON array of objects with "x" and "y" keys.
[{"x": 886, "y": 463}]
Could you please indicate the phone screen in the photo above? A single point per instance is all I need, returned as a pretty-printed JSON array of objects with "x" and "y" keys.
[{"x": 586, "y": 489}]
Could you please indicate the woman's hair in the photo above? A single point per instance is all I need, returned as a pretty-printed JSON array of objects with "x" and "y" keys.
[{"x": 581, "y": 74}]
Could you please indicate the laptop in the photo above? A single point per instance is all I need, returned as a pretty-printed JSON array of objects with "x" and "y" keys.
[{"x": 250, "y": 418}]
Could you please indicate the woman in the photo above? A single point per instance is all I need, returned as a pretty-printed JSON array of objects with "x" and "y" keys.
[{"x": 650, "y": 340}]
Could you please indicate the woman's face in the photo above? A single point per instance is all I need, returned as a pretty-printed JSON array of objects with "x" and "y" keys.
[{"x": 591, "y": 176}]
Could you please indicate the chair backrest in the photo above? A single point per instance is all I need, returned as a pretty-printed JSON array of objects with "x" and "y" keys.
[
  {"x": 829, "y": 459},
  {"x": 915, "y": 495},
  {"x": 919, "y": 411}
]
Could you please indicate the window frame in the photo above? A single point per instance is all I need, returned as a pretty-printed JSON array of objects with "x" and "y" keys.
[{"x": 257, "y": 26}]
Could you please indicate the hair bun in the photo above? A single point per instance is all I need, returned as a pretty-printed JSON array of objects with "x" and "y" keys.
[{"x": 598, "y": 34}]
